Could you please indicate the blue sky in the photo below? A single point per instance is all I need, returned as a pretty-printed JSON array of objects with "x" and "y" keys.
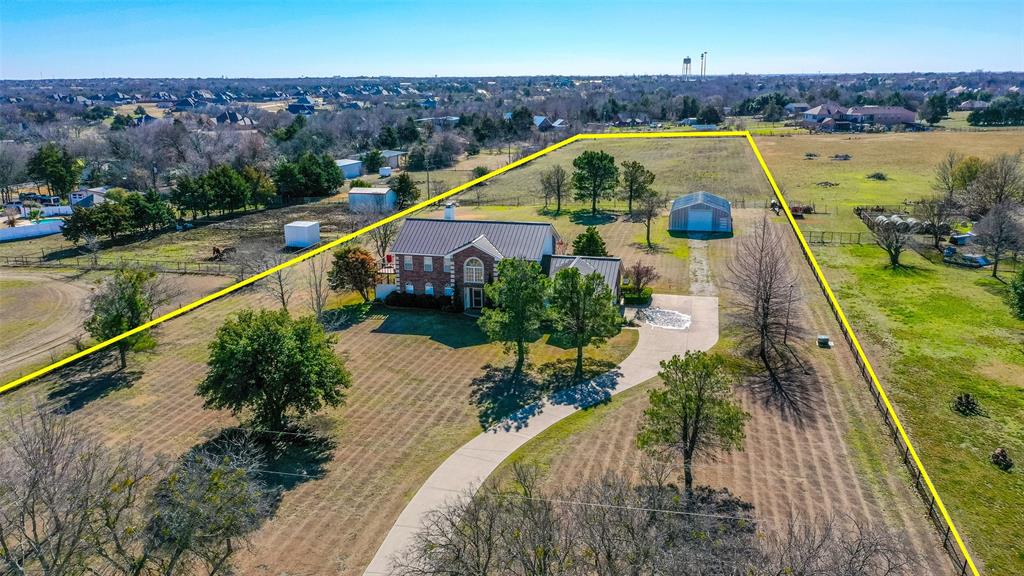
[{"x": 144, "y": 38}]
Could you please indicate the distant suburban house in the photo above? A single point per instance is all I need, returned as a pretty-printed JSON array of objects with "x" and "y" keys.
[
  {"x": 429, "y": 103},
  {"x": 350, "y": 168},
  {"x": 201, "y": 94},
  {"x": 87, "y": 197},
  {"x": 371, "y": 200},
  {"x": 144, "y": 120},
  {"x": 189, "y": 105},
  {"x": 234, "y": 118},
  {"x": 439, "y": 121},
  {"x": 302, "y": 105},
  {"x": 456, "y": 258},
  {"x": 971, "y": 105},
  {"x": 559, "y": 124},
  {"x": 631, "y": 119},
  {"x": 832, "y": 117},
  {"x": 794, "y": 108},
  {"x": 701, "y": 212},
  {"x": 542, "y": 123}
]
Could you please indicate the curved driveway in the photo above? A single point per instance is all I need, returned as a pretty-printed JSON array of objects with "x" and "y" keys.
[{"x": 466, "y": 469}]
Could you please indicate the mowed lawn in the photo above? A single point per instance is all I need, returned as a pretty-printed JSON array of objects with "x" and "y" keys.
[
  {"x": 931, "y": 330},
  {"x": 409, "y": 407},
  {"x": 833, "y": 456}
]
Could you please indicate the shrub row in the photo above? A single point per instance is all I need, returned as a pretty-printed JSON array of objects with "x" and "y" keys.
[
  {"x": 424, "y": 301},
  {"x": 632, "y": 298}
]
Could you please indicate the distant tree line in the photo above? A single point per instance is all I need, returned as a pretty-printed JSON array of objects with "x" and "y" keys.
[{"x": 1004, "y": 111}]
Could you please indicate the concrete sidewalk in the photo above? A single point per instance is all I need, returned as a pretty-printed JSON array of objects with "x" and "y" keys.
[{"x": 467, "y": 468}]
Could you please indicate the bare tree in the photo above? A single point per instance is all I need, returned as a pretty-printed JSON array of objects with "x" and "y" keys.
[
  {"x": 640, "y": 275},
  {"x": 70, "y": 506},
  {"x": 892, "y": 234},
  {"x": 554, "y": 183},
  {"x": 253, "y": 259},
  {"x": 766, "y": 286},
  {"x": 51, "y": 477},
  {"x": 13, "y": 162},
  {"x": 833, "y": 544},
  {"x": 934, "y": 213},
  {"x": 317, "y": 283},
  {"x": 11, "y": 216},
  {"x": 649, "y": 205},
  {"x": 1000, "y": 180},
  {"x": 999, "y": 232},
  {"x": 383, "y": 236},
  {"x": 945, "y": 177}
]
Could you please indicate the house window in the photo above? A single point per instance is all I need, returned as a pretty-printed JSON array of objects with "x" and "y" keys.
[
  {"x": 428, "y": 289},
  {"x": 473, "y": 271},
  {"x": 407, "y": 263},
  {"x": 449, "y": 290},
  {"x": 408, "y": 288},
  {"x": 447, "y": 264},
  {"x": 428, "y": 264}
]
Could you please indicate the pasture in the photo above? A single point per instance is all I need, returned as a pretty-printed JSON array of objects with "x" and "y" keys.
[{"x": 931, "y": 330}]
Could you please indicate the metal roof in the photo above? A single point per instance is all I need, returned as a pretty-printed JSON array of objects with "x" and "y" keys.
[
  {"x": 347, "y": 162},
  {"x": 606, "y": 267},
  {"x": 431, "y": 237},
  {"x": 701, "y": 197},
  {"x": 374, "y": 190}
]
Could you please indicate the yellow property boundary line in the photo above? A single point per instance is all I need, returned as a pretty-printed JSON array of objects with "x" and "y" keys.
[{"x": 610, "y": 136}]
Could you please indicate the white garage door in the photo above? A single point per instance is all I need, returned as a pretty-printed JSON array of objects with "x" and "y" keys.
[{"x": 700, "y": 221}]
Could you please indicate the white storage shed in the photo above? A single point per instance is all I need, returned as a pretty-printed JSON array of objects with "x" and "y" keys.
[
  {"x": 375, "y": 200},
  {"x": 301, "y": 234}
]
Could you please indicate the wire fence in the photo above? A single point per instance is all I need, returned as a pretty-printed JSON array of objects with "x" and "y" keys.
[
  {"x": 945, "y": 530},
  {"x": 836, "y": 238},
  {"x": 113, "y": 263}
]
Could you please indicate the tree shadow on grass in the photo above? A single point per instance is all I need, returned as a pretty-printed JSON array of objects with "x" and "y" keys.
[
  {"x": 451, "y": 330},
  {"x": 584, "y": 217},
  {"x": 789, "y": 387},
  {"x": 654, "y": 248},
  {"x": 505, "y": 400},
  {"x": 92, "y": 378},
  {"x": 345, "y": 317}
]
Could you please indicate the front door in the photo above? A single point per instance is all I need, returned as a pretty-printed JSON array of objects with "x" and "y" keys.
[{"x": 474, "y": 297}]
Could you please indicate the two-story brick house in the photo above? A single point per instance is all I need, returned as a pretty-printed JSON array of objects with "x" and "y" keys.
[{"x": 456, "y": 258}]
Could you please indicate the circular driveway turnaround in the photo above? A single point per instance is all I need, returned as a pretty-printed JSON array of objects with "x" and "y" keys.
[{"x": 467, "y": 468}]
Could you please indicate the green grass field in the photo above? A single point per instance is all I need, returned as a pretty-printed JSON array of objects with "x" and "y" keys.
[{"x": 931, "y": 330}]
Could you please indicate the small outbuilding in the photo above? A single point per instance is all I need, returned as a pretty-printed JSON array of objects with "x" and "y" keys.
[
  {"x": 374, "y": 200},
  {"x": 701, "y": 212},
  {"x": 301, "y": 234},
  {"x": 351, "y": 169}
]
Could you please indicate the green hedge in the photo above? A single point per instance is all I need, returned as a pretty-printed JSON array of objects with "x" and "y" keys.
[{"x": 632, "y": 298}]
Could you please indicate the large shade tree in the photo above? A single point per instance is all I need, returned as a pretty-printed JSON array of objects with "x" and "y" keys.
[
  {"x": 595, "y": 177},
  {"x": 126, "y": 300},
  {"x": 54, "y": 165},
  {"x": 273, "y": 367},
  {"x": 518, "y": 297},
  {"x": 695, "y": 414},
  {"x": 584, "y": 311}
]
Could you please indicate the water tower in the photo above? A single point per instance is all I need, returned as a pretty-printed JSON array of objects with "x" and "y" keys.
[{"x": 686, "y": 68}]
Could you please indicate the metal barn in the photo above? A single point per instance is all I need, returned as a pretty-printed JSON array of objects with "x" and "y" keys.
[{"x": 701, "y": 212}]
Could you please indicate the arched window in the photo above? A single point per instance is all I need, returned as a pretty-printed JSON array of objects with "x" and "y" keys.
[
  {"x": 428, "y": 289},
  {"x": 408, "y": 288},
  {"x": 473, "y": 271}
]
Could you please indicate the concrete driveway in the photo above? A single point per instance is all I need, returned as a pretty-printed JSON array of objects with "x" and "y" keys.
[{"x": 467, "y": 468}]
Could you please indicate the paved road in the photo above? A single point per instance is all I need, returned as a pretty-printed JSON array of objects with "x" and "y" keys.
[{"x": 466, "y": 469}]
